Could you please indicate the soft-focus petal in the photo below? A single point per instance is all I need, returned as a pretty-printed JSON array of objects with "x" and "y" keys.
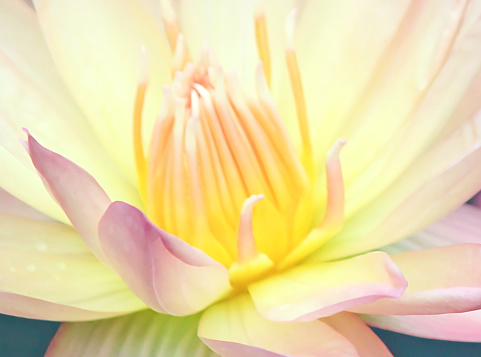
[
  {"x": 464, "y": 326},
  {"x": 34, "y": 96},
  {"x": 359, "y": 334},
  {"x": 463, "y": 225},
  {"x": 102, "y": 66},
  {"x": 79, "y": 195},
  {"x": 311, "y": 291},
  {"x": 234, "y": 328},
  {"x": 168, "y": 274},
  {"x": 143, "y": 334},
  {"x": 440, "y": 280},
  {"x": 48, "y": 263}
]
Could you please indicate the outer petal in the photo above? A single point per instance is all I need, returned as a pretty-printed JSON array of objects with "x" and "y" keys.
[
  {"x": 464, "y": 326},
  {"x": 463, "y": 225},
  {"x": 359, "y": 334},
  {"x": 24, "y": 306},
  {"x": 142, "y": 334},
  {"x": 96, "y": 46},
  {"x": 440, "y": 280},
  {"x": 34, "y": 96},
  {"x": 311, "y": 291},
  {"x": 234, "y": 328},
  {"x": 47, "y": 272},
  {"x": 79, "y": 195},
  {"x": 165, "y": 272}
]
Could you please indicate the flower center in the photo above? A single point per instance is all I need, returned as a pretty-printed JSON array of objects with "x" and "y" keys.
[{"x": 222, "y": 173}]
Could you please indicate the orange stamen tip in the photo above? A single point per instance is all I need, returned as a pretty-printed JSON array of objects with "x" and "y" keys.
[
  {"x": 262, "y": 39},
  {"x": 260, "y": 9}
]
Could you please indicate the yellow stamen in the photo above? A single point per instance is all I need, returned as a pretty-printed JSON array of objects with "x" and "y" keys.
[
  {"x": 181, "y": 56},
  {"x": 191, "y": 150},
  {"x": 158, "y": 155},
  {"x": 298, "y": 92},
  {"x": 334, "y": 216},
  {"x": 170, "y": 23},
  {"x": 263, "y": 44},
  {"x": 140, "y": 161}
]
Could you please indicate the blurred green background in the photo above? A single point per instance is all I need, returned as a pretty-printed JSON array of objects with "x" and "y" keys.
[{"x": 30, "y": 338}]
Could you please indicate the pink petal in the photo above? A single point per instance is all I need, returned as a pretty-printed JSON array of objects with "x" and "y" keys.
[
  {"x": 308, "y": 292},
  {"x": 24, "y": 306},
  {"x": 464, "y": 326},
  {"x": 476, "y": 200},
  {"x": 145, "y": 333},
  {"x": 234, "y": 328},
  {"x": 463, "y": 225},
  {"x": 165, "y": 272},
  {"x": 440, "y": 280},
  {"x": 79, "y": 195},
  {"x": 359, "y": 334}
]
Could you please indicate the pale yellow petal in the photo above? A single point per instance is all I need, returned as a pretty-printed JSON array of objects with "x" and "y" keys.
[
  {"x": 96, "y": 46},
  {"x": 48, "y": 261},
  {"x": 34, "y": 97}
]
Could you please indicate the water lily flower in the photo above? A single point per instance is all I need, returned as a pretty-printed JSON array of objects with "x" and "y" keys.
[{"x": 240, "y": 178}]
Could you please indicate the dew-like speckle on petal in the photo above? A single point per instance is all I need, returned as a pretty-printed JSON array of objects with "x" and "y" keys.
[
  {"x": 62, "y": 265},
  {"x": 41, "y": 246},
  {"x": 31, "y": 267}
]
